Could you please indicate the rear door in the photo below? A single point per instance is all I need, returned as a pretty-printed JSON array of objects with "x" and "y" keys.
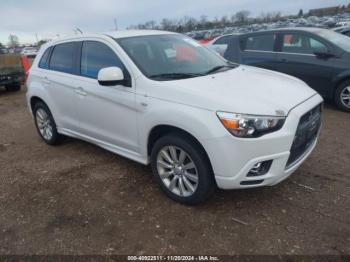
[
  {"x": 296, "y": 57},
  {"x": 259, "y": 50},
  {"x": 58, "y": 79}
]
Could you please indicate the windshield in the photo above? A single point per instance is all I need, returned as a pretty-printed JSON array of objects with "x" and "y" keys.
[
  {"x": 338, "y": 39},
  {"x": 166, "y": 57}
]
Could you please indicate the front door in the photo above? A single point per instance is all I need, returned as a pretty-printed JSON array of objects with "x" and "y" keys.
[
  {"x": 297, "y": 58},
  {"x": 106, "y": 113}
]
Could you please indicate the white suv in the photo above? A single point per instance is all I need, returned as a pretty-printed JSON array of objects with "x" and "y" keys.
[{"x": 161, "y": 98}]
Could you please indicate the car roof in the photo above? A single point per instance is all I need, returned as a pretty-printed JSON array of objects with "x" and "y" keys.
[
  {"x": 113, "y": 34},
  {"x": 289, "y": 29},
  {"x": 131, "y": 33}
]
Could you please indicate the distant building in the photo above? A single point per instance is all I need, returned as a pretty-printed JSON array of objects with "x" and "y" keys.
[{"x": 327, "y": 11}]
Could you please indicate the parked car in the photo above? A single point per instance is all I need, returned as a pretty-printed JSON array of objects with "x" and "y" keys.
[
  {"x": 345, "y": 30},
  {"x": 17, "y": 50},
  {"x": 220, "y": 43},
  {"x": 11, "y": 72},
  {"x": 29, "y": 51},
  {"x": 4, "y": 51},
  {"x": 161, "y": 98},
  {"x": 320, "y": 57}
]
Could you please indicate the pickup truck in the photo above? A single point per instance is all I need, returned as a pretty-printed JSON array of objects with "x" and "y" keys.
[{"x": 11, "y": 72}]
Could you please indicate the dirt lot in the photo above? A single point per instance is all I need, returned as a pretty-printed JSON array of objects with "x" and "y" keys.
[{"x": 79, "y": 199}]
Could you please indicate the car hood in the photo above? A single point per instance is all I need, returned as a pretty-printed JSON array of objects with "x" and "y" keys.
[{"x": 245, "y": 89}]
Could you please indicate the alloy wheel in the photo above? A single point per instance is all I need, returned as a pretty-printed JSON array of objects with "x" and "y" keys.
[
  {"x": 44, "y": 124},
  {"x": 177, "y": 171},
  {"x": 345, "y": 96}
]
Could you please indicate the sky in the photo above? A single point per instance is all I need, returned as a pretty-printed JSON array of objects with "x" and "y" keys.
[{"x": 48, "y": 19}]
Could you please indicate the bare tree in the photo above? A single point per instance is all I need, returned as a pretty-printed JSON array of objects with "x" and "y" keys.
[
  {"x": 242, "y": 16},
  {"x": 224, "y": 20},
  {"x": 41, "y": 42},
  {"x": 203, "y": 19},
  {"x": 301, "y": 13},
  {"x": 233, "y": 18},
  {"x": 13, "y": 41}
]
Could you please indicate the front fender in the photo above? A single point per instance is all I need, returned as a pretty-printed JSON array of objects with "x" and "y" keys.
[
  {"x": 200, "y": 123},
  {"x": 341, "y": 77}
]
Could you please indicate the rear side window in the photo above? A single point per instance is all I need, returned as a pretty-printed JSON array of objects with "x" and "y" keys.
[
  {"x": 300, "y": 44},
  {"x": 223, "y": 40},
  {"x": 63, "y": 57},
  {"x": 44, "y": 61},
  {"x": 95, "y": 56},
  {"x": 260, "y": 43}
]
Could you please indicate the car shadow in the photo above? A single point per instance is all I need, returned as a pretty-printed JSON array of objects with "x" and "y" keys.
[{"x": 4, "y": 92}]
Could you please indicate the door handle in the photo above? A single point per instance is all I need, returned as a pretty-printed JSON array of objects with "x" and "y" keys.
[{"x": 80, "y": 91}]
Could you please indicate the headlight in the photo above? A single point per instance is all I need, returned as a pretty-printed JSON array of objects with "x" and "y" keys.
[{"x": 249, "y": 125}]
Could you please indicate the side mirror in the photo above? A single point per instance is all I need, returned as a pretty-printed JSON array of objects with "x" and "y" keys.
[
  {"x": 111, "y": 76},
  {"x": 323, "y": 53}
]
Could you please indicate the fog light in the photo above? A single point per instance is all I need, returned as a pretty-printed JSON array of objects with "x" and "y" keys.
[{"x": 260, "y": 169}]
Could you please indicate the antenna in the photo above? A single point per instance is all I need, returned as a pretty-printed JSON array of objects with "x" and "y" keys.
[{"x": 78, "y": 30}]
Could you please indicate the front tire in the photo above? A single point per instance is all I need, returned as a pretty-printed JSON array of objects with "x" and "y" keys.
[
  {"x": 45, "y": 124},
  {"x": 182, "y": 169},
  {"x": 342, "y": 96}
]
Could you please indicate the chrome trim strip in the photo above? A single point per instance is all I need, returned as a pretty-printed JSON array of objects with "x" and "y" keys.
[{"x": 274, "y": 52}]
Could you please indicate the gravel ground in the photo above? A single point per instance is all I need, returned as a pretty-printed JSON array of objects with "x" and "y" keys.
[{"x": 79, "y": 199}]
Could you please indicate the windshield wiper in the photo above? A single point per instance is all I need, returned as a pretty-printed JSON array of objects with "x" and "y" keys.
[
  {"x": 217, "y": 68},
  {"x": 175, "y": 75}
]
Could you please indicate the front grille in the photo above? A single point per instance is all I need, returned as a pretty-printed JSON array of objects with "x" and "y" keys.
[{"x": 306, "y": 135}]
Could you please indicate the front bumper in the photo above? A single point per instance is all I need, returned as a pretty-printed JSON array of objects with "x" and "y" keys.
[{"x": 232, "y": 158}]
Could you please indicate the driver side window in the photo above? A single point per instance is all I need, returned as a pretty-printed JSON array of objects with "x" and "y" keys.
[
  {"x": 95, "y": 56},
  {"x": 301, "y": 44}
]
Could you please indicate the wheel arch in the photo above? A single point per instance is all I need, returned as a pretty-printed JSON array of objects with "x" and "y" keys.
[
  {"x": 162, "y": 130},
  {"x": 339, "y": 80},
  {"x": 35, "y": 99}
]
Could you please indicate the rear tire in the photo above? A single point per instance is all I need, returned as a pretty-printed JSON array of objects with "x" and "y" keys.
[
  {"x": 342, "y": 96},
  {"x": 13, "y": 87},
  {"x": 45, "y": 124},
  {"x": 177, "y": 154}
]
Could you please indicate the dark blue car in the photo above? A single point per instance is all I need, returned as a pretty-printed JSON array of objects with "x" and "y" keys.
[{"x": 319, "y": 57}]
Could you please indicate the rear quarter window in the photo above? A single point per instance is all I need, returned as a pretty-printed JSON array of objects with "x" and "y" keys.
[
  {"x": 223, "y": 40},
  {"x": 259, "y": 43}
]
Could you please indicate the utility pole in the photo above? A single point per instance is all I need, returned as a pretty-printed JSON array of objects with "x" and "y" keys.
[{"x": 115, "y": 24}]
